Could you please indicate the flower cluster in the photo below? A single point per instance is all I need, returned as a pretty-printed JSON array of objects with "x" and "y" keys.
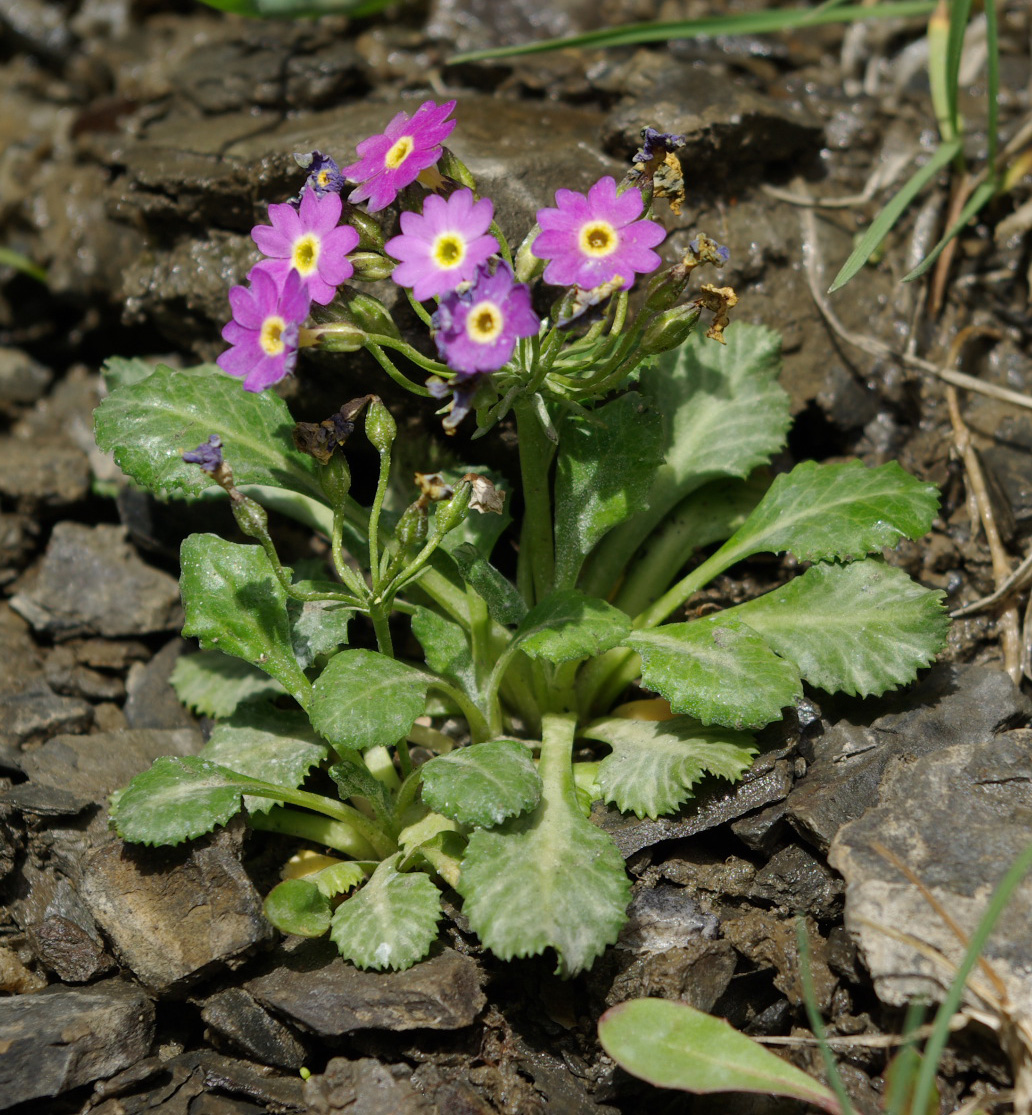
[{"x": 447, "y": 248}]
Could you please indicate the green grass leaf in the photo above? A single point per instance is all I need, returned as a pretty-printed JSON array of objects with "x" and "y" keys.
[
  {"x": 214, "y": 684},
  {"x": 604, "y": 471},
  {"x": 546, "y": 879},
  {"x": 655, "y": 764},
  {"x": 298, "y": 906},
  {"x": 299, "y": 9},
  {"x": 484, "y": 784},
  {"x": 364, "y": 699},
  {"x": 149, "y": 425},
  {"x": 822, "y": 511},
  {"x": 567, "y": 625},
  {"x": 718, "y": 670},
  {"x": 892, "y": 211},
  {"x": 391, "y": 922},
  {"x": 861, "y": 628},
  {"x": 235, "y": 603},
  {"x": 673, "y": 1045},
  {"x": 270, "y": 744},
  {"x": 978, "y": 200}
]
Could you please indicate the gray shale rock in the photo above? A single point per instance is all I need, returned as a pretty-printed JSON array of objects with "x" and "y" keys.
[
  {"x": 41, "y": 475},
  {"x": 365, "y": 1086},
  {"x": 951, "y": 705},
  {"x": 61, "y": 1039},
  {"x": 311, "y": 984},
  {"x": 236, "y": 1017},
  {"x": 91, "y": 582},
  {"x": 958, "y": 818},
  {"x": 175, "y": 915},
  {"x": 37, "y": 713}
]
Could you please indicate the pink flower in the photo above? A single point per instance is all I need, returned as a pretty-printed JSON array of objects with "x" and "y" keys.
[
  {"x": 309, "y": 241},
  {"x": 389, "y": 162},
  {"x": 477, "y": 330},
  {"x": 591, "y": 240},
  {"x": 443, "y": 246},
  {"x": 265, "y": 328}
]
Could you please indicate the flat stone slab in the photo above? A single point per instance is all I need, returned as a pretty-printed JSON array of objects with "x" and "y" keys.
[
  {"x": 314, "y": 986},
  {"x": 61, "y": 1039},
  {"x": 958, "y": 819},
  {"x": 174, "y": 914}
]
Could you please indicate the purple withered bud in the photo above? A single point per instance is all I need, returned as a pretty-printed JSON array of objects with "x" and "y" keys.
[
  {"x": 208, "y": 454},
  {"x": 657, "y": 143},
  {"x": 709, "y": 251},
  {"x": 324, "y": 175}
]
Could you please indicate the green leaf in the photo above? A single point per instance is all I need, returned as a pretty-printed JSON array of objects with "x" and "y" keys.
[
  {"x": 354, "y": 778},
  {"x": 673, "y": 1045},
  {"x": 391, "y": 922},
  {"x": 546, "y": 879},
  {"x": 718, "y": 670},
  {"x": 567, "y": 625},
  {"x": 484, "y": 784},
  {"x": 150, "y": 424},
  {"x": 604, "y": 471},
  {"x": 234, "y": 603},
  {"x": 363, "y": 699},
  {"x": 338, "y": 878},
  {"x": 844, "y": 511},
  {"x": 298, "y": 906},
  {"x": 860, "y": 628},
  {"x": 723, "y": 415},
  {"x": 270, "y": 744},
  {"x": 499, "y": 593},
  {"x": 654, "y": 765},
  {"x": 176, "y": 800},
  {"x": 121, "y": 371},
  {"x": 299, "y": 9},
  {"x": 446, "y": 648},
  {"x": 213, "y": 684},
  {"x": 317, "y": 627}
]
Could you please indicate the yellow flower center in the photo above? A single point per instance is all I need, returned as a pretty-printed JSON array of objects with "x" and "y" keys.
[
  {"x": 484, "y": 323},
  {"x": 398, "y": 153},
  {"x": 271, "y": 336},
  {"x": 449, "y": 250},
  {"x": 598, "y": 239},
  {"x": 323, "y": 178},
  {"x": 306, "y": 254}
]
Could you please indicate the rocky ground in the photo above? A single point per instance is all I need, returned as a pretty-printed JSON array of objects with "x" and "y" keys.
[{"x": 139, "y": 141}]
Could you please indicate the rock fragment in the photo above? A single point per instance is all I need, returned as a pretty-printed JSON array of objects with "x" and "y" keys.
[{"x": 236, "y": 1017}]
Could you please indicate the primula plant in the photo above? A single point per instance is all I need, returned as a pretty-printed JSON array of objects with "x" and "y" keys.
[{"x": 465, "y": 750}]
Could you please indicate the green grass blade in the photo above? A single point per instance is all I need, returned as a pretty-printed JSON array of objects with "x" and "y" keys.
[
  {"x": 982, "y": 195},
  {"x": 992, "y": 87},
  {"x": 960, "y": 13},
  {"x": 941, "y": 1026},
  {"x": 749, "y": 23},
  {"x": 881, "y": 225},
  {"x": 11, "y": 258}
]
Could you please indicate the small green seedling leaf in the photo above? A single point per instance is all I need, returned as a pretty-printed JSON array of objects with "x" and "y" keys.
[
  {"x": 654, "y": 765},
  {"x": 234, "y": 603},
  {"x": 839, "y": 511},
  {"x": 213, "y": 684},
  {"x": 270, "y": 744},
  {"x": 484, "y": 784},
  {"x": 604, "y": 471},
  {"x": 545, "y": 879},
  {"x": 567, "y": 625},
  {"x": 860, "y": 628},
  {"x": 363, "y": 699},
  {"x": 446, "y": 648},
  {"x": 338, "y": 878},
  {"x": 149, "y": 425},
  {"x": 176, "y": 800},
  {"x": 718, "y": 670},
  {"x": 354, "y": 779},
  {"x": 298, "y": 906},
  {"x": 673, "y": 1045},
  {"x": 499, "y": 593},
  {"x": 391, "y": 922}
]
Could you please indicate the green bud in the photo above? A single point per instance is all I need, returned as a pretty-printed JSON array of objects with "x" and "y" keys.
[
  {"x": 668, "y": 329},
  {"x": 380, "y": 427},
  {"x": 411, "y": 530},
  {"x": 335, "y": 478},
  {"x": 371, "y": 267},
  {"x": 665, "y": 288},
  {"x": 369, "y": 314},
  {"x": 451, "y": 165},
  {"x": 250, "y": 517},
  {"x": 526, "y": 265},
  {"x": 370, "y": 234},
  {"x": 450, "y": 514},
  {"x": 340, "y": 336}
]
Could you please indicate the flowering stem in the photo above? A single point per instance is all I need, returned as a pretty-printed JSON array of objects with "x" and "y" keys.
[
  {"x": 503, "y": 242},
  {"x": 388, "y": 366},
  {"x": 418, "y": 308},
  {"x": 374, "y": 516},
  {"x": 347, "y": 575},
  {"x": 435, "y": 366},
  {"x": 536, "y": 452},
  {"x": 381, "y": 626}
]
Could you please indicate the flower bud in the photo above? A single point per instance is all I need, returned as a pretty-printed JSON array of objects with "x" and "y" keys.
[
  {"x": 526, "y": 265},
  {"x": 666, "y": 288},
  {"x": 335, "y": 478},
  {"x": 339, "y": 337},
  {"x": 380, "y": 427},
  {"x": 451, "y": 513},
  {"x": 370, "y": 234},
  {"x": 251, "y": 517},
  {"x": 668, "y": 329},
  {"x": 371, "y": 267},
  {"x": 450, "y": 165},
  {"x": 411, "y": 530},
  {"x": 368, "y": 313}
]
